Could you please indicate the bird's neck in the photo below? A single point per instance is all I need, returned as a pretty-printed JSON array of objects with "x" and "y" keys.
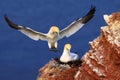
[
  {"x": 66, "y": 52},
  {"x": 51, "y": 35}
]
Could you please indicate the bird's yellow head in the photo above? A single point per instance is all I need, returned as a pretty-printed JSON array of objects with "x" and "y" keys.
[
  {"x": 54, "y": 29},
  {"x": 67, "y": 46}
]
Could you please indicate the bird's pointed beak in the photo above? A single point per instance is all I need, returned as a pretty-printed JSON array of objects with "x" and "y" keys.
[
  {"x": 55, "y": 33},
  {"x": 68, "y": 49}
]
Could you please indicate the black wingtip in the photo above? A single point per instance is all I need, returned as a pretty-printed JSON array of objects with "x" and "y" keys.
[
  {"x": 92, "y": 10},
  {"x": 89, "y": 15},
  {"x": 10, "y": 23}
]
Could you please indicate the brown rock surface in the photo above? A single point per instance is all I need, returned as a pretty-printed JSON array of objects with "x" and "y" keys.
[
  {"x": 101, "y": 62},
  {"x": 55, "y": 70}
]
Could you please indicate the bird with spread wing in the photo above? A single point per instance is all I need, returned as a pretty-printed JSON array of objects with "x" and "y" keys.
[{"x": 54, "y": 34}]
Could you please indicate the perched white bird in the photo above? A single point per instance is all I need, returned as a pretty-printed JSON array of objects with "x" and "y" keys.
[
  {"x": 54, "y": 33},
  {"x": 67, "y": 56}
]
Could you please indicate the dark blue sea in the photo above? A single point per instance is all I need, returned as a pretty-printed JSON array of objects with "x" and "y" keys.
[{"x": 20, "y": 56}]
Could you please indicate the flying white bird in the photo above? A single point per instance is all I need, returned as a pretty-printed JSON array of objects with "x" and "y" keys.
[
  {"x": 54, "y": 33},
  {"x": 67, "y": 56}
]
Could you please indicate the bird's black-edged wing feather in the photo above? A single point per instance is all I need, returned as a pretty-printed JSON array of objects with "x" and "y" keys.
[
  {"x": 27, "y": 31},
  {"x": 78, "y": 24}
]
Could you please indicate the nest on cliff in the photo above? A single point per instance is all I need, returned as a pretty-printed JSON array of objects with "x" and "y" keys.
[{"x": 70, "y": 63}]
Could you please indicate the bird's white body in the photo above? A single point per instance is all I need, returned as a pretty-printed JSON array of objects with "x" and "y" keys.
[
  {"x": 67, "y": 56},
  {"x": 52, "y": 40}
]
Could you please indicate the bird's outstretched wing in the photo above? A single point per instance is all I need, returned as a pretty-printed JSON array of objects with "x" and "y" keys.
[
  {"x": 27, "y": 31},
  {"x": 78, "y": 24}
]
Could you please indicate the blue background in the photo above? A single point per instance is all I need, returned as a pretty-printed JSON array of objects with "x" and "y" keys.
[{"x": 20, "y": 56}]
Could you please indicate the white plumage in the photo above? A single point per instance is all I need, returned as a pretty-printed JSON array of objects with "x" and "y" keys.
[{"x": 67, "y": 56}]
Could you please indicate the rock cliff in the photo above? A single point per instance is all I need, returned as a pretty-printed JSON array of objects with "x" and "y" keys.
[{"x": 101, "y": 62}]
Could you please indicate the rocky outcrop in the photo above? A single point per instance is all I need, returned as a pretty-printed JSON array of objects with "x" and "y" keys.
[
  {"x": 55, "y": 70},
  {"x": 101, "y": 62}
]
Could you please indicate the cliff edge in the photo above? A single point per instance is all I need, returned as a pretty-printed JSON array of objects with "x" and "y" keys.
[{"x": 101, "y": 62}]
